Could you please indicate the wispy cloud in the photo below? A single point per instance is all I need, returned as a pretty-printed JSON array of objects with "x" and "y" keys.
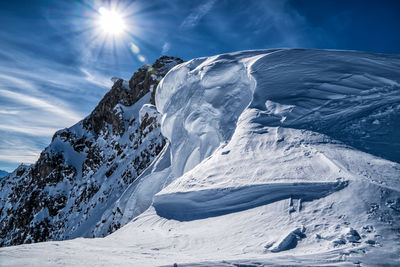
[
  {"x": 28, "y": 130},
  {"x": 193, "y": 18},
  {"x": 9, "y": 111},
  {"x": 95, "y": 78},
  {"x": 38, "y": 96},
  {"x": 27, "y": 122},
  {"x": 166, "y": 47},
  {"x": 69, "y": 115},
  {"x": 17, "y": 148},
  {"x": 15, "y": 81},
  {"x": 21, "y": 155}
]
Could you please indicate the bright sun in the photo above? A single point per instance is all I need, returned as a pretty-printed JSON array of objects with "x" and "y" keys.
[{"x": 111, "y": 22}]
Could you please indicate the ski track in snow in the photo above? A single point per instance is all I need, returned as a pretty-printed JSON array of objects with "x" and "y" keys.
[{"x": 258, "y": 140}]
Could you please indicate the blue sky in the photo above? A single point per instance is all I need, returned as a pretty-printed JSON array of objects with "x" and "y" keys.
[{"x": 55, "y": 64}]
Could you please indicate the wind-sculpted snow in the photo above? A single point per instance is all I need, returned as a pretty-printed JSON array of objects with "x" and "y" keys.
[
  {"x": 256, "y": 143},
  {"x": 350, "y": 96},
  {"x": 201, "y": 101},
  {"x": 255, "y": 128},
  {"x": 287, "y": 102},
  {"x": 187, "y": 206}
]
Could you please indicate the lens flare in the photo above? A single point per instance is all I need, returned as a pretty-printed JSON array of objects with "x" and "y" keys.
[
  {"x": 134, "y": 48},
  {"x": 142, "y": 58}
]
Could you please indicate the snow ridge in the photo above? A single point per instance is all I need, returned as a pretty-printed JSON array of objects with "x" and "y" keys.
[
  {"x": 257, "y": 128},
  {"x": 285, "y": 156}
]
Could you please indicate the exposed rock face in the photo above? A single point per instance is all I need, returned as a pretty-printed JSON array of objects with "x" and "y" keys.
[
  {"x": 86, "y": 168},
  {"x": 143, "y": 81}
]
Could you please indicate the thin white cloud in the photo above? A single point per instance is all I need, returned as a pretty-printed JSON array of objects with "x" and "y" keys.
[
  {"x": 96, "y": 79},
  {"x": 166, "y": 47},
  {"x": 28, "y": 121},
  {"x": 11, "y": 79},
  {"x": 17, "y": 148},
  {"x": 193, "y": 18},
  {"x": 21, "y": 155},
  {"x": 9, "y": 111},
  {"x": 34, "y": 104},
  {"x": 29, "y": 130},
  {"x": 41, "y": 104},
  {"x": 41, "y": 93}
]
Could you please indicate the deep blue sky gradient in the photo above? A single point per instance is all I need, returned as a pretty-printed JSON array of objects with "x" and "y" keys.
[{"x": 53, "y": 69}]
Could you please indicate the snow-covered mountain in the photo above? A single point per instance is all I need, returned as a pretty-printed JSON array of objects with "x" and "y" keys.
[
  {"x": 3, "y": 173},
  {"x": 284, "y": 156},
  {"x": 74, "y": 187}
]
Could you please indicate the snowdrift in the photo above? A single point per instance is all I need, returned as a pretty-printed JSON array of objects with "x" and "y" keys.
[{"x": 285, "y": 156}]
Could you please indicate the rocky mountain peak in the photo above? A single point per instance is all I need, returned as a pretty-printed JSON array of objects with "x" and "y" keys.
[
  {"x": 74, "y": 187},
  {"x": 144, "y": 80}
]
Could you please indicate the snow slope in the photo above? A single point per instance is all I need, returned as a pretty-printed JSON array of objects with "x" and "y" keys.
[{"x": 283, "y": 156}]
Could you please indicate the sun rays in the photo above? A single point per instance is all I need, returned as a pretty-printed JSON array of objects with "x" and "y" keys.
[{"x": 110, "y": 21}]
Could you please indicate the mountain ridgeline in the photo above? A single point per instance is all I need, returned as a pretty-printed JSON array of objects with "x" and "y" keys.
[
  {"x": 267, "y": 157},
  {"x": 74, "y": 187}
]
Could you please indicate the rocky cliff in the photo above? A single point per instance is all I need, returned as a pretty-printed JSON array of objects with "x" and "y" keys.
[{"x": 81, "y": 175}]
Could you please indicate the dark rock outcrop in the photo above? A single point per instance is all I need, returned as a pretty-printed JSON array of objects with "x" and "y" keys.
[
  {"x": 143, "y": 81},
  {"x": 86, "y": 167}
]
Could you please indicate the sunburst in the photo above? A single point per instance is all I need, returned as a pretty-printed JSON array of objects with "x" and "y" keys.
[{"x": 110, "y": 21}]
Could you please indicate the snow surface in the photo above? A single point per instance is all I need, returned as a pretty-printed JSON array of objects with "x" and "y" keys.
[{"x": 275, "y": 157}]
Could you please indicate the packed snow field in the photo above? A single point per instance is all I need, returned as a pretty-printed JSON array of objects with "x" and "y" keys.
[{"x": 273, "y": 157}]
